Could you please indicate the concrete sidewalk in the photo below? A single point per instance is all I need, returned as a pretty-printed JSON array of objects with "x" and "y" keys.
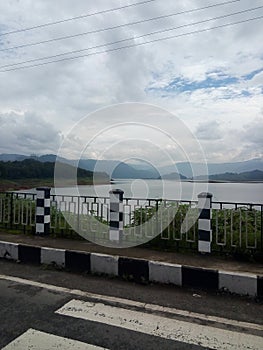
[{"x": 137, "y": 264}]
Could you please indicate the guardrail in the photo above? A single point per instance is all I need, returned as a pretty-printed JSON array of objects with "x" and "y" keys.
[{"x": 235, "y": 226}]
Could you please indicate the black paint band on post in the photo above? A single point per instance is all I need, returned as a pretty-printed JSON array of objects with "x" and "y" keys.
[
  {"x": 116, "y": 216},
  {"x": 204, "y": 222},
  {"x": 43, "y": 211}
]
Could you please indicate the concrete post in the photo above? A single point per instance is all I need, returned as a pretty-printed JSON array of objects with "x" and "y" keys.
[
  {"x": 43, "y": 211},
  {"x": 116, "y": 215},
  {"x": 204, "y": 222}
]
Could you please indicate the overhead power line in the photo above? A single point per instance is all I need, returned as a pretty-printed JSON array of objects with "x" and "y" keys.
[
  {"x": 126, "y": 39},
  {"x": 118, "y": 26},
  {"x": 76, "y": 17},
  {"x": 138, "y": 44}
]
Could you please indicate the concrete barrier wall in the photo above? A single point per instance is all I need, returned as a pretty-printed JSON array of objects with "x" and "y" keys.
[
  {"x": 51, "y": 256},
  {"x": 104, "y": 264},
  {"x": 9, "y": 250},
  {"x": 165, "y": 273},
  {"x": 139, "y": 270},
  {"x": 239, "y": 283}
]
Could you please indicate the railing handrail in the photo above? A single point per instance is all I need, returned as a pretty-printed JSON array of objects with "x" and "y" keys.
[{"x": 139, "y": 198}]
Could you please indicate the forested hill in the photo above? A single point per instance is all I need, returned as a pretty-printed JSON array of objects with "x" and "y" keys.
[
  {"x": 247, "y": 176},
  {"x": 255, "y": 175},
  {"x": 33, "y": 169}
]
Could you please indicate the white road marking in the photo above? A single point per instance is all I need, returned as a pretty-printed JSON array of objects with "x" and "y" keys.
[
  {"x": 131, "y": 303},
  {"x": 164, "y": 327},
  {"x": 36, "y": 340}
]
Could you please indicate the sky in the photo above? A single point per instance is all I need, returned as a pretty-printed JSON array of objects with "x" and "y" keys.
[{"x": 210, "y": 81}]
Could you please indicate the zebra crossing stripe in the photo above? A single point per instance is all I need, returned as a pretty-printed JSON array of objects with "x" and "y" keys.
[
  {"x": 126, "y": 303},
  {"x": 160, "y": 326},
  {"x": 36, "y": 340}
]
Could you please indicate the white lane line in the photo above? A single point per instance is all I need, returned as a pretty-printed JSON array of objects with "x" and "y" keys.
[
  {"x": 186, "y": 332},
  {"x": 131, "y": 303},
  {"x": 36, "y": 340}
]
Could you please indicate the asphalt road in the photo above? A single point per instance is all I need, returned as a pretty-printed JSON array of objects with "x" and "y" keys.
[{"x": 43, "y": 306}]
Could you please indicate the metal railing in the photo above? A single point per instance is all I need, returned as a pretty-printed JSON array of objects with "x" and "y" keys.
[{"x": 235, "y": 226}]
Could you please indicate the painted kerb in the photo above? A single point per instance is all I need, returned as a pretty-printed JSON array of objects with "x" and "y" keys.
[
  {"x": 138, "y": 270},
  {"x": 104, "y": 264},
  {"x": 165, "y": 273}
]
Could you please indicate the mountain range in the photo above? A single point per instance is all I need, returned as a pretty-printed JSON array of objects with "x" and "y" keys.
[
  {"x": 196, "y": 169},
  {"x": 142, "y": 170},
  {"x": 114, "y": 168}
]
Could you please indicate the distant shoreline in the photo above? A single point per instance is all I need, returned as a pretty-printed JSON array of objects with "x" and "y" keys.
[
  {"x": 26, "y": 184},
  {"x": 187, "y": 180},
  {"x": 224, "y": 181}
]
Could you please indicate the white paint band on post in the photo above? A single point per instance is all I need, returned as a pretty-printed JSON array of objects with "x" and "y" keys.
[
  {"x": 204, "y": 222},
  {"x": 116, "y": 215},
  {"x": 43, "y": 211}
]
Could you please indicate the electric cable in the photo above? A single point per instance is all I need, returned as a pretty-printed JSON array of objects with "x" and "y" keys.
[
  {"x": 127, "y": 39},
  {"x": 75, "y": 18},
  {"x": 137, "y": 44},
  {"x": 117, "y": 26}
]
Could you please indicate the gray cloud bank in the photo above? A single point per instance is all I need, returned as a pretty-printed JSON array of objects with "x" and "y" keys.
[{"x": 212, "y": 81}]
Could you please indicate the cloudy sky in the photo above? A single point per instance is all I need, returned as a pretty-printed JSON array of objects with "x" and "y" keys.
[{"x": 211, "y": 80}]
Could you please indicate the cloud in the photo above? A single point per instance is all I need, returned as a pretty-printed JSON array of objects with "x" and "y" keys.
[
  {"x": 209, "y": 131},
  {"x": 27, "y": 133},
  {"x": 242, "y": 144},
  {"x": 252, "y": 136},
  {"x": 202, "y": 78}
]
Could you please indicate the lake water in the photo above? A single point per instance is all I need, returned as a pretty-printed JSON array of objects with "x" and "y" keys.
[{"x": 169, "y": 189}]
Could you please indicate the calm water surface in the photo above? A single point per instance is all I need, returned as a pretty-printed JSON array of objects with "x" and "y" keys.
[{"x": 227, "y": 192}]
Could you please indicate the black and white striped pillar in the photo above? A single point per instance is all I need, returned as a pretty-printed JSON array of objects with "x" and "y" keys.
[
  {"x": 43, "y": 211},
  {"x": 204, "y": 222},
  {"x": 116, "y": 215}
]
